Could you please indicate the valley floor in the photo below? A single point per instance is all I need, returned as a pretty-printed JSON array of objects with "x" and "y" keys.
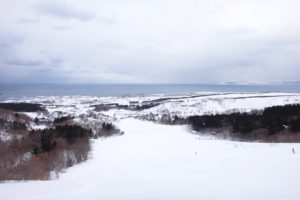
[{"x": 154, "y": 161}]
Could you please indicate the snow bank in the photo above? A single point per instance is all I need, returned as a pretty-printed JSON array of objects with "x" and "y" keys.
[{"x": 152, "y": 161}]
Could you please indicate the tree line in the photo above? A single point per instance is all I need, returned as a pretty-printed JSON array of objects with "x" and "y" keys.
[{"x": 273, "y": 119}]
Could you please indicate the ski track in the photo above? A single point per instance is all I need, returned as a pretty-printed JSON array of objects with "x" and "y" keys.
[{"x": 153, "y": 161}]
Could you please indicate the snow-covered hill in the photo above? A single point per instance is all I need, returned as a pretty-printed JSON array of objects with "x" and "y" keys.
[{"x": 152, "y": 161}]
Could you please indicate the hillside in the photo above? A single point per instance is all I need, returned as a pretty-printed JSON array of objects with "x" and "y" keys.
[{"x": 153, "y": 161}]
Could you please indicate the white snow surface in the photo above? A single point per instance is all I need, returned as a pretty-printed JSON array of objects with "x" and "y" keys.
[
  {"x": 153, "y": 161},
  {"x": 182, "y": 105},
  {"x": 4, "y": 136},
  {"x": 38, "y": 127}
]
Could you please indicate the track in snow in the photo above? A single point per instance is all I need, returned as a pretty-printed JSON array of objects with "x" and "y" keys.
[{"x": 152, "y": 161}]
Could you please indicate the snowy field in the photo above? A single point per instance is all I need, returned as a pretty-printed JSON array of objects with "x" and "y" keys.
[
  {"x": 82, "y": 108},
  {"x": 152, "y": 161}
]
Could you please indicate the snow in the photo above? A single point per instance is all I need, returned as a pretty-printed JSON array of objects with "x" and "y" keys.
[
  {"x": 4, "y": 136},
  {"x": 224, "y": 104},
  {"x": 217, "y": 103},
  {"x": 38, "y": 126},
  {"x": 32, "y": 115},
  {"x": 153, "y": 161},
  {"x": 208, "y": 104},
  {"x": 182, "y": 105}
]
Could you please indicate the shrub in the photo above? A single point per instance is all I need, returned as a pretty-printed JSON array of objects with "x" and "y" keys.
[{"x": 61, "y": 119}]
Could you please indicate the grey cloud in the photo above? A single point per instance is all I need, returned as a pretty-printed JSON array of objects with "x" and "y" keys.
[
  {"x": 43, "y": 75},
  {"x": 111, "y": 45},
  {"x": 10, "y": 55},
  {"x": 26, "y": 20},
  {"x": 63, "y": 11},
  {"x": 31, "y": 70},
  {"x": 258, "y": 61},
  {"x": 106, "y": 20},
  {"x": 24, "y": 62},
  {"x": 49, "y": 75},
  {"x": 155, "y": 41},
  {"x": 61, "y": 28},
  {"x": 56, "y": 61},
  {"x": 8, "y": 39}
]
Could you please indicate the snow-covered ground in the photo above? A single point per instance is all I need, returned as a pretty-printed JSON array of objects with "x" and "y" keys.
[
  {"x": 4, "y": 136},
  {"x": 182, "y": 105},
  {"x": 152, "y": 161},
  {"x": 211, "y": 104}
]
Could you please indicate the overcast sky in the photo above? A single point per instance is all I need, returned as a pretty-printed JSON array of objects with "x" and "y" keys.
[{"x": 149, "y": 41}]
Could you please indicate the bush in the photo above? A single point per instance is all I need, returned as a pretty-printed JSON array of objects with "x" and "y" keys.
[
  {"x": 107, "y": 127},
  {"x": 17, "y": 125},
  {"x": 61, "y": 119},
  {"x": 71, "y": 132}
]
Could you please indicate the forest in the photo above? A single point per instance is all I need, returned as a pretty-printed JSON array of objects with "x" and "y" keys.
[
  {"x": 270, "y": 121},
  {"x": 41, "y": 154},
  {"x": 22, "y": 107}
]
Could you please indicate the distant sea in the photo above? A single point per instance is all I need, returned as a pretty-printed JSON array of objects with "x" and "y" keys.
[{"x": 16, "y": 91}]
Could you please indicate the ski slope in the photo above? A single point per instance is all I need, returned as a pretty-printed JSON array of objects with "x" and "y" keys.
[{"x": 153, "y": 161}]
